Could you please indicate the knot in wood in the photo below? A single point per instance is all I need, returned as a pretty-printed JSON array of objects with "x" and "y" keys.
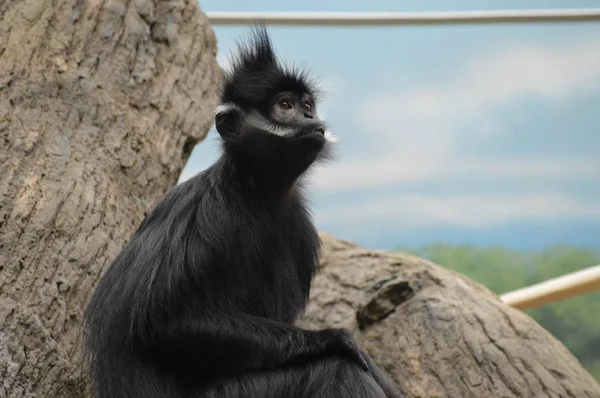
[{"x": 388, "y": 295}]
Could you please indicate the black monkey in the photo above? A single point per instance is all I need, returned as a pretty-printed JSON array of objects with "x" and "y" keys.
[{"x": 201, "y": 301}]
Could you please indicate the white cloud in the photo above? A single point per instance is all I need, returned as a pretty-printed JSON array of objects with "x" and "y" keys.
[
  {"x": 416, "y": 133},
  {"x": 487, "y": 81},
  {"x": 466, "y": 211},
  {"x": 387, "y": 171}
]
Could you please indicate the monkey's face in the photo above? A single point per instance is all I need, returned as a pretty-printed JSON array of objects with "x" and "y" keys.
[
  {"x": 283, "y": 131},
  {"x": 294, "y": 110},
  {"x": 294, "y": 115},
  {"x": 286, "y": 116}
]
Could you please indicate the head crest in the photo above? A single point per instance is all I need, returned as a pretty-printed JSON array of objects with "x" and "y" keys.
[{"x": 256, "y": 73}]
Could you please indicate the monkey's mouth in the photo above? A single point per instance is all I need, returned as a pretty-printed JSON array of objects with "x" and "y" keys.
[{"x": 307, "y": 132}]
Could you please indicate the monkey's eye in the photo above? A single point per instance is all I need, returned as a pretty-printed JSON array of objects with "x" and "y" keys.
[
  {"x": 285, "y": 105},
  {"x": 308, "y": 106}
]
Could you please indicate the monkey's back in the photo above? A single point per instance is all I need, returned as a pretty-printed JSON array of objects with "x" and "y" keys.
[{"x": 213, "y": 243}]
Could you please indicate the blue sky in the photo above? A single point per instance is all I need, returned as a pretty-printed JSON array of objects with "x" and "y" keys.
[{"x": 481, "y": 134}]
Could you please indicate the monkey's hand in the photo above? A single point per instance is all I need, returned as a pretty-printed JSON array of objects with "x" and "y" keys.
[{"x": 341, "y": 342}]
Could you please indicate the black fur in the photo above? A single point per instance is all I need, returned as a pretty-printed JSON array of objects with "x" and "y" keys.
[
  {"x": 258, "y": 75},
  {"x": 201, "y": 301}
]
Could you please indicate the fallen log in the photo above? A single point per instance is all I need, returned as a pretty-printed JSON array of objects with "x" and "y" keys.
[{"x": 435, "y": 332}]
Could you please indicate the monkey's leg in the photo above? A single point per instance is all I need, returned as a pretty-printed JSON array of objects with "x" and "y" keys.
[
  {"x": 333, "y": 377},
  {"x": 205, "y": 346}
]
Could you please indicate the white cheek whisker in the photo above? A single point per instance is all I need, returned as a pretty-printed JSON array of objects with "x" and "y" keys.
[
  {"x": 257, "y": 120},
  {"x": 329, "y": 136},
  {"x": 260, "y": 122},
  {"x": 224, "y": 108}
]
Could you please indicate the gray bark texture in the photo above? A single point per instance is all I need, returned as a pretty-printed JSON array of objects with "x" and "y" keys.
[
  {"x": 437, "y": 333},
  {"x": 101, "y": 103}
]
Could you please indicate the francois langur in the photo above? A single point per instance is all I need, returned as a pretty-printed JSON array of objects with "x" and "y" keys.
[{"x": 201, "y": 301}]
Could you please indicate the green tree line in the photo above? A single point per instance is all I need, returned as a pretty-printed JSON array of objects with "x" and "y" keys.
[{"x": 575, "y": 321}]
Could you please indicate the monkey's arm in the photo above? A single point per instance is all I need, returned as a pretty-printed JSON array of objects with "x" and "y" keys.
[
  {"x": 236, "y": 343},
  {"x": 381, "y": 379}
]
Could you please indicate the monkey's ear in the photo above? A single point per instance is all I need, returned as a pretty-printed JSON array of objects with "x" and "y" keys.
[{"x": 227, "y": 121}]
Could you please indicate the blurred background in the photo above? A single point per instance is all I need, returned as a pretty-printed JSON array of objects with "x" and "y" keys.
[{"x": 477, "y": 147}]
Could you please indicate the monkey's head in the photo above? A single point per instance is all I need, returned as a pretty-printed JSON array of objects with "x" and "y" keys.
[{"x": 268, "y": 110}]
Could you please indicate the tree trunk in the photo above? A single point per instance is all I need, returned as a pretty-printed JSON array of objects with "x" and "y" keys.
[
  {"x": 435, "y": 332},
  {"x": 101, "y": 103}
]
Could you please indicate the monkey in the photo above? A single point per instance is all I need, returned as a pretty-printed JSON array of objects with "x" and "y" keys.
[{"x": 202, "y": 300}]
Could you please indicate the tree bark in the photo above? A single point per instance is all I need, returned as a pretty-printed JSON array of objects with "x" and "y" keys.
[
  {"x": 437, "y": 333},
  {"x": 101, "y": 103}
]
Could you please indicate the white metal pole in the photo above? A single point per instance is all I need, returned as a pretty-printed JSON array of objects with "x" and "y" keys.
[
  {"x": 556, "y": 289},
  {"x": 403, "y": 18}
]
